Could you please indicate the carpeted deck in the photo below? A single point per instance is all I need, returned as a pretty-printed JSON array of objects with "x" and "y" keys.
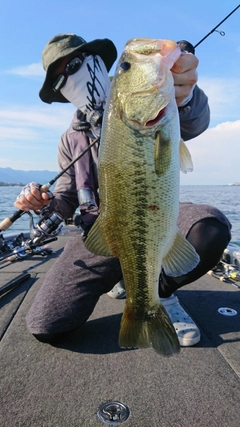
[{"x": 46, "y": 386}]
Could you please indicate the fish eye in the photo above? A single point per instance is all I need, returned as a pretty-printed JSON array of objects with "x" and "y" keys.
[{"x": 125, "y": 65}]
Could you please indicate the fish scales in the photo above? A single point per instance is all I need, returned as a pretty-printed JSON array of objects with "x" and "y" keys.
[
  {"x": 138, "y": 173},
  {"x": 138, "y": 226}
]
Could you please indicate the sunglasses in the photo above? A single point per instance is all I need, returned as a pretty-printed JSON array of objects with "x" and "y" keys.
[{"x": 71, "y": 68}]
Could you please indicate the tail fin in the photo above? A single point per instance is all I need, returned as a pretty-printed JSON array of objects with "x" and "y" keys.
[{"x": 151, "y": 329}]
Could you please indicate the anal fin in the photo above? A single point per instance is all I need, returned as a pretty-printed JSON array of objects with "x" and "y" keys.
[{"x": 181, "y": 258}]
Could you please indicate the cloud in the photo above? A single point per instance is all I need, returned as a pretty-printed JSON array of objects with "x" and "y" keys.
[
  {"x": 31, "y": 70},
  {"x": 29, "y": 136},
  {"x": 17, "y": 133},
  {"x": 223, "y": 96},
  {"x": 58, "y": 118},
  {"x": 216, "y": 155}
]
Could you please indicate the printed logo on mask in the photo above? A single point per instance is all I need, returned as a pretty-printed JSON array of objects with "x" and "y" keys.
[{"x": 88, "y": 88}]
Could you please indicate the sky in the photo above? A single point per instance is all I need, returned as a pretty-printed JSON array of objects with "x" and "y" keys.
[{"x": 30, "y": 129}]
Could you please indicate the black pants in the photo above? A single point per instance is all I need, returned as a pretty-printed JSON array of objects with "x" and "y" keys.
[{"x": 78, "y": 278}]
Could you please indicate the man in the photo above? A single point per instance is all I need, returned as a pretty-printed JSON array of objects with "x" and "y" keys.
[{"x": 76, "y": 72}]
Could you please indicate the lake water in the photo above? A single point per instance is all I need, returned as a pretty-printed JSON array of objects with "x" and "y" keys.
[{"x": 226, "y": 198}]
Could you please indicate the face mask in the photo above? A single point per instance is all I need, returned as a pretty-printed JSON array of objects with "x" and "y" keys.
[{"x": 88, "y": 88}]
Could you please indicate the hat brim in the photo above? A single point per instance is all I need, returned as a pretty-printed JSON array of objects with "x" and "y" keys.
[{"x": 105, "y": 48}]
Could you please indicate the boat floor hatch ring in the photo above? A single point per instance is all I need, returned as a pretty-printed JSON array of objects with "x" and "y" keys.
[
  {"x": 113, "y": 413},
  {"x": 226, "y": 311}
]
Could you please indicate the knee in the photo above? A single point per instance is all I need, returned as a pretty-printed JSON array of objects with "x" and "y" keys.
[{"x": 209, "y": 236}]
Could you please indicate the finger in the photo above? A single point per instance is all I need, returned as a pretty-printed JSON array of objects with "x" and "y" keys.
[
  {"x": 28, "y": 200},
  {"x": 25, "y": 205},
  {"x": 48, "y": 195},
  {"x": 27, "y": 190},
  {"x": 187, "y": 61},
  {"x": 35, "y": 192},
  {"x": 183, "y": 91},
  {"x": 45, "y": 196},
  {"x": 187, "y": 78}
]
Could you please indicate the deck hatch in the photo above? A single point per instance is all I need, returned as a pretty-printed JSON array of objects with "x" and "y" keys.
[
  {"x": 113, "y": 413},
  {"x": 226, "y": 311}
]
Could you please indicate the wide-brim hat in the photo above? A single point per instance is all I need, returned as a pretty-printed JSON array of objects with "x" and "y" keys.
[{"x": 65, "y": 44}]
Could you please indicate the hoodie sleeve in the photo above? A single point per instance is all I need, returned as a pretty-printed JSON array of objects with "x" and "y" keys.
[
  {"x": 65, "y": 199},
  {"x": 195, "y": 116}
]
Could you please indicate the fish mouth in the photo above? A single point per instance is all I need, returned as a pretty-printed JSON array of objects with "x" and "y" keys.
[
  {"x": 156, "y": 119},
  {"x": 150, "y": 123}
]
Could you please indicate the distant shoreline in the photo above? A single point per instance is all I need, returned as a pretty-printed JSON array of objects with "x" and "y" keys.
[{"x": 12, "y": 184}]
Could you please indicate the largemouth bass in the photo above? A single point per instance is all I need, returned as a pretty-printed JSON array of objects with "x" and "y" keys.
[{"x": 139, "y": 170}]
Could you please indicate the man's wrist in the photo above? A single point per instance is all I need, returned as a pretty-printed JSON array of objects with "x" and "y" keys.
[{"x": 185, "y": 105}]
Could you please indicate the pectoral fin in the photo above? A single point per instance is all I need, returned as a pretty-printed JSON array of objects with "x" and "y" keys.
[
  {"x": 96, "y": 241},
  {"x": 186, "y": 164},
  {"x": 181, "y": 258},
  {"x": 162, "y": 154}
]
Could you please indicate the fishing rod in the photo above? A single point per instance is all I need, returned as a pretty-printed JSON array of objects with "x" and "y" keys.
[
  {"x": 214, "y": 29},
  {"x": 228, "y": 268},
  {"x": 7, "y": 222},
  {"x": 14, "y": 282},
  {"x": 185, "y": 46},
  {"x": 223, "y": 278},
  {"x": 188, "y": 47}
]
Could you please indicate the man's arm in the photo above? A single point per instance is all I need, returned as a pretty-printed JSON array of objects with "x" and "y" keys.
[
  {"x": 65, "y": 199},
  {"x": 195, "y": 116},
  {"x": 191, "y": 100},
  {"x": 65, "y": 194}
]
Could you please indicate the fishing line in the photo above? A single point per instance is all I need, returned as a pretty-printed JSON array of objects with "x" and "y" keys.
[
  {"x": 214, "y": 29},
  {"x": 188, "y": 47}
]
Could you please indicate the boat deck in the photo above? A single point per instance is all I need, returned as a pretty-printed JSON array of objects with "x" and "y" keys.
[{"x": 63, "y": 386}]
